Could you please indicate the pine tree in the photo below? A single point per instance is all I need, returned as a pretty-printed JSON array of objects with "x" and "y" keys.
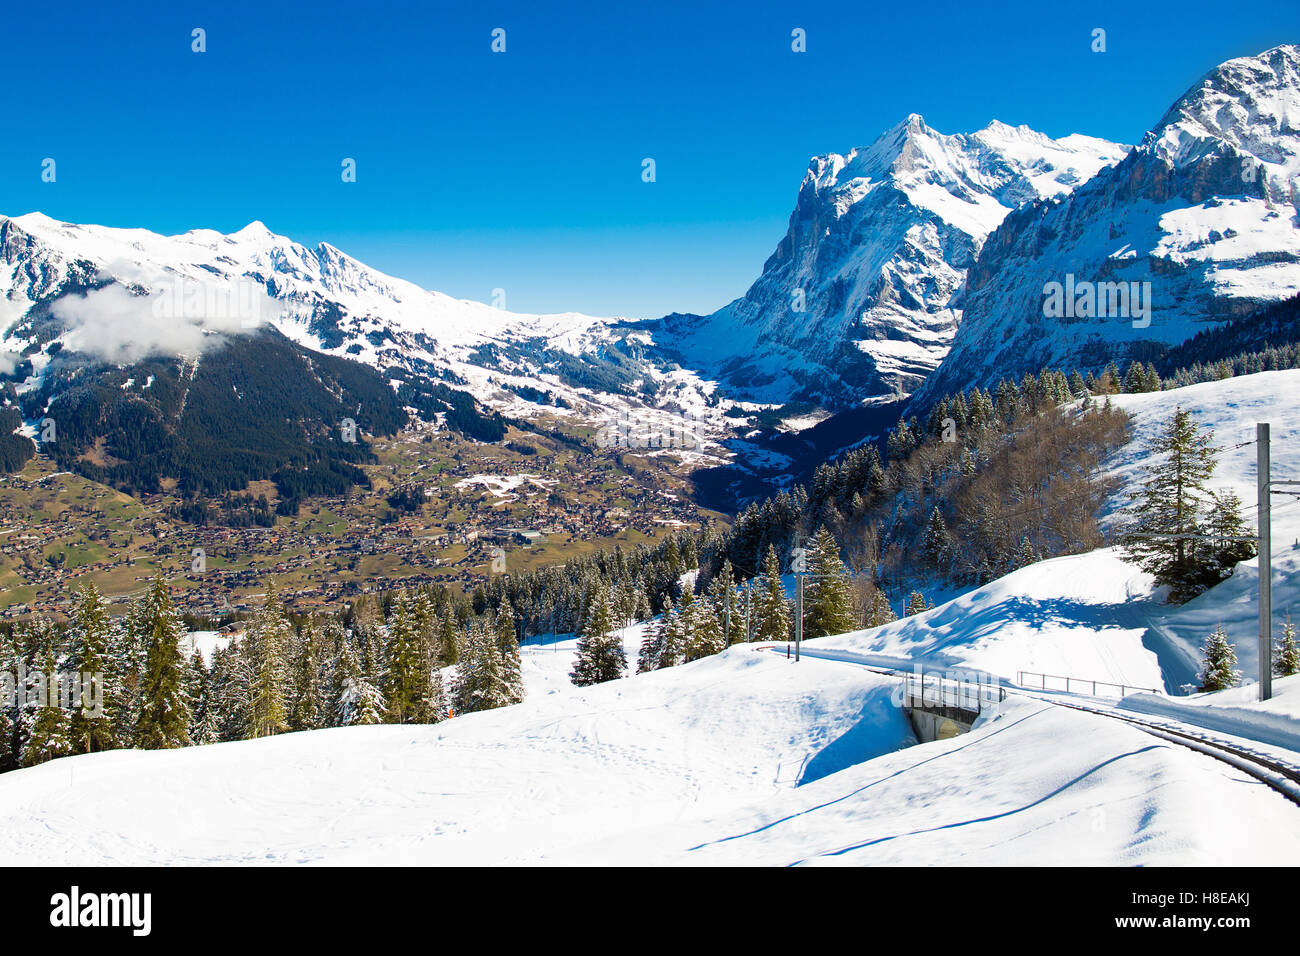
[
  {"x": 1219, "y": 662},
  {"x": 1227, "y": 528},
  {"x": 448, "y": 638},
  {"x": 229, "y": 705},
  {"x": 308, "y": 709},
  {"x": 652, "y": 647},
  {"x": 1169, "y": 508},
  {"x": 600, "y": 656},
  {"x": 771, "y": 607},
  {"x": 672, "y": 650},
  {"x": 409, "y": 681},
  {"x": 196, "y": 683},
  {"x": 90, "y": 659},
  {"x": 50, "y": 734},
  {"x": 916, "y": 604},
  {"x": 828, "y": 592},
  {"x": 1286, "y": 660},
  {"x": 880, "y": 612},
  {"x": 479, "y": 682},
  {"x": 726, "y": 601},
  {"x": 937, "y": 543},
  {"x": 355, "y": 700},
  {"x": 508, "y": 646},
  {"x": 702, "y": 631},
  {"x": 267, "y": 643},
  {"x": 164, "y": 717}
]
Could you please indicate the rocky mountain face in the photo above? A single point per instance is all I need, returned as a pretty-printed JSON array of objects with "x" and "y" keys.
[
  {"x": 862, "y": 297},
  {"x": 1197, "y": 225}
]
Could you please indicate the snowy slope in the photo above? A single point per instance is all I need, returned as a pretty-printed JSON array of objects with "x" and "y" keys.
[
  {"x": 1204, "y": 209},
  {"x": 877, "y": 247},
  {"x": 1078, "y": 616},
  {"x": 1231, "y": 408},
  {"x": 742, "y": 758}
]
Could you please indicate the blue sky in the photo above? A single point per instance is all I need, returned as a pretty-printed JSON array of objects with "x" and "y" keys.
[{"x": 522, "y": 170}]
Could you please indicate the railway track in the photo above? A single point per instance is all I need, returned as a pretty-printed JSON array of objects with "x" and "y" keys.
[{"x": 1276, "y": 775}]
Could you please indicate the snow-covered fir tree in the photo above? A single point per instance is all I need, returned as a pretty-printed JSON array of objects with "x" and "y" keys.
[
  {"x": 503, "y": 628},
  {"x": 653, "y": 644},
  {"x": 51, "y": 728},
  {"x": 479, "y": 681},
  {"x": 408, "y": 681},
  {"x": 1286, "y": 658},
  {"x": 355, "y": 700},
  {"x": 197, "y": 688},
  {"x": 703, "y": 635},
  {"x": 771, "y": 606},
  {"x": 916, "y": 604},
  {"x": 600, "y": 656},
  {"x": 828, "y": 592},
  {"x": 1219, "y": 662},
  {"x": 308, "y": 710}
]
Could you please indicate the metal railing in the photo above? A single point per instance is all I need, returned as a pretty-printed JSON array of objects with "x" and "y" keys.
[
  {"x": 1077, "y": 685},
  {"x": 935, "y": 690}
]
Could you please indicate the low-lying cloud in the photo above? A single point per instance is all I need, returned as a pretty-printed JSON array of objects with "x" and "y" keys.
[{"x": 180, "y": 317}]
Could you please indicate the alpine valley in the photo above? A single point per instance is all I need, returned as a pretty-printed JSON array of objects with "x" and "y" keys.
[{"x": 206, "y": 364}]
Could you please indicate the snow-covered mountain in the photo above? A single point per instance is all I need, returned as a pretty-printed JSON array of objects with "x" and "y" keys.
[
  {"x": 863, "y": 295},
  {"x": 120, "y": 294},
  {"x": 1204, "y": 209}
]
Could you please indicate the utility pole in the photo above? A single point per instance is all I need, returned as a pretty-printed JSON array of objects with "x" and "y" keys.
[
  {"x": 1265, "y": 562},
  {"x": 799, "y": 565}
]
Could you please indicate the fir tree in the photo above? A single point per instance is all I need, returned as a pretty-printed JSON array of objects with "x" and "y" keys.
[
  {"x": 600, "y": 655},
  {"x": 267, "y": 644},
  {"x": 828, "y": 592},
  {"x": 1219, "y": 662},
  {"x": 91, "y": 658},
  {"x": 355, "y": 700},
  {"x": 771, "y": 607},
  {"x": 479, "y": 682},
  {"x": 652, "y": 646},
  {"x": 1169, "y": 507},
  {"x": 880, "y": 612},
  {"x": 726, "y": 601},
  {"x": 308, "y": 709},
  {"x": 448, "y": 639},
  {"x": 164, "y": 717},
  {"x": 508, "y": 646},
  {"x": 50, "y": 734},
  {"x": 197, "y": 681},
  {"x": 916, "y": 604},
  {"x": 1286, "y": 659},
  {"x": 703, "y": 635},
  {"x": 409, "y": 681},
  {"x": 937, "y": 544}
]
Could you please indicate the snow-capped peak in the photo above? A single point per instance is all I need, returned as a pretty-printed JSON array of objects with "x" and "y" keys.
[{"x": 1251, "y": 103}]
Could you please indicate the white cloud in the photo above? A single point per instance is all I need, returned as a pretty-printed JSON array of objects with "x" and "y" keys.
[{"x": 181, "y": 317}]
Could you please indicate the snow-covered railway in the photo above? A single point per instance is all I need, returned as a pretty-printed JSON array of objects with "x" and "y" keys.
[{"x": 1279, "y": 776}]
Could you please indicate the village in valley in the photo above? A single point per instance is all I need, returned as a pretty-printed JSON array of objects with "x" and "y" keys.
[{"x": 440, "y": 509}]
